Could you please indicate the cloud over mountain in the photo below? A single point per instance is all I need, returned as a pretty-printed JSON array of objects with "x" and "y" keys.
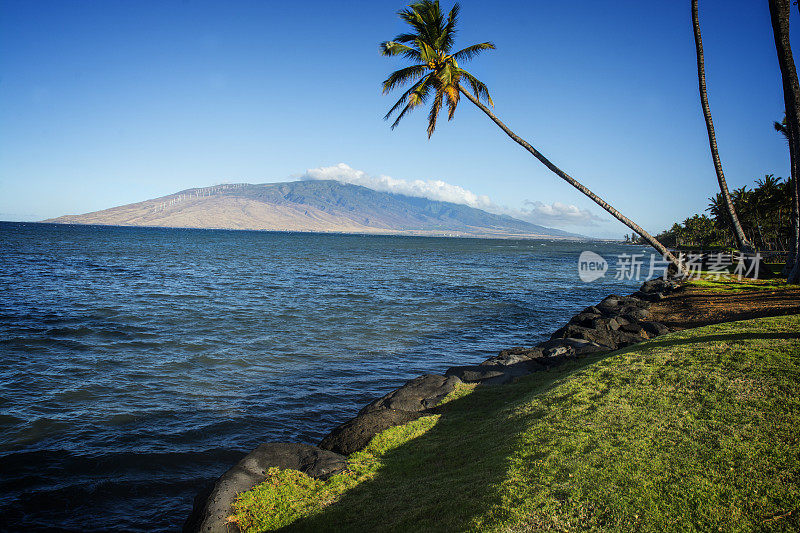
[
  {"x": 555, "y": 214},
  {"x": 316, "y": 206},
  {"x": 559, "y": 213},
  {"x": 430, "y": 189}
]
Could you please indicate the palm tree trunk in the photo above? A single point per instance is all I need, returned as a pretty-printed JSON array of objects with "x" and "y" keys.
[
  {"x": 794, "y": 226},
  {"x": 760, "y": 231},
  {"x": 779, "y": 13},
  {"x": 575, "y": 183},
  {"x": 741, "y": 239},
  {"x": 793, "y": 254},
  {"x": 792, "y": 268},
  {"x": 794, "y": 274}
]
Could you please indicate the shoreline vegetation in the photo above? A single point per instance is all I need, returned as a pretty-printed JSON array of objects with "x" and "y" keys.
[
  {"x": 672, "y": 407},
  {"x": 764, "y": 211},
  {"x": 382, "y": 233}
]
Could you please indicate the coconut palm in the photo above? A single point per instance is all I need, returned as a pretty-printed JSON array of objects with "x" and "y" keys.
[
  {"x": 741, "y": 240},
  {"x": 779, "y": 16},
  {"x": 436, "y": 76},
  {"x": 716, "y": 206}
]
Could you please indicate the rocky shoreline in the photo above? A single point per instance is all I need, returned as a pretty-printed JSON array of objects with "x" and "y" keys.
[{"x": 614, "y": 323}]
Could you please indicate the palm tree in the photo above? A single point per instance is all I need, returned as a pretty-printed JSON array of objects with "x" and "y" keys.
[
  {"x": 436, "y": 76},
  {"x": 716, "y": 206},
  {"x": 779, "y": 15},
  {"x": 738, "y": 233},
  {"x": 743, "y": 201},
  {"x": 782, "y": 127}
]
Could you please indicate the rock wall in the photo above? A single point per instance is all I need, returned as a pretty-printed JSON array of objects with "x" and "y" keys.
[{"x": 614, "y": 323}]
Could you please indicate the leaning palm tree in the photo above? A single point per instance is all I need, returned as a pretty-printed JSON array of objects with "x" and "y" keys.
[
  {"x": 738, "y": 232},
  {"x": 437, "y": 76}
]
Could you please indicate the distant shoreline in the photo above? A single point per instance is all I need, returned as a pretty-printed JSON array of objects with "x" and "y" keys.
[
  {"x": 386, "y": 233},
  {"x": 321, "y": 206}
]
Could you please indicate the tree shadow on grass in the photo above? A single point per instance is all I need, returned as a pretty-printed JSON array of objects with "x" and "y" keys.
[
  {"x": 721, "y": 337},
  {"x": 446, "y": 477},
  {"x": 451, "y": 475}
]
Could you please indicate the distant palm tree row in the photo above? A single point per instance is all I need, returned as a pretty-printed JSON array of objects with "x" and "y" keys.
[
  {"x": 437, "y": 78},
  {"x": 765, "y": 213}
]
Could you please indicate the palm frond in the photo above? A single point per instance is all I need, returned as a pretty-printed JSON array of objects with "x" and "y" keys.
[
  {"x": 478, "y": 87},
  {"x": 402, "y": 76},
  {"x": 393, "y": 48},
  {"x": 414, "y": 97},
  {"x": 782, "y": 127},
  {"x": 404, "y": 98},
  {"x": 428, "y": 21},
  {"x": 447, "y": 37},
  {"x": 417, "y": 98},
  {"x": 406, "y": 38},
  {"x": 427, "y": 52},
  {"x": 405, "y": 110},
  {"x": 413, "y": 18},
  {"x": 448, "y": 74},
  {"x": 453, "y": 97},
  {"x": 471, "y": 51},
  {"x": 434, "y": 113}
]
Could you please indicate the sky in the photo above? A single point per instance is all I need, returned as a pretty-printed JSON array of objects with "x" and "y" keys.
[{"x": 104, "y": 103}]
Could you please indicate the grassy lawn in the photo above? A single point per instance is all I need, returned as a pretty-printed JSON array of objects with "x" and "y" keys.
[
  {"x": 730, "y": 283},
  {"x": 694, "y": 430}
]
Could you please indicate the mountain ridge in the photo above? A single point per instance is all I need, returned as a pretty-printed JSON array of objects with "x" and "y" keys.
[{"x": 325, "y": 206}]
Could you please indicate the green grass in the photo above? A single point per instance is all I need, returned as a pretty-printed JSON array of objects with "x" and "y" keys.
[
  {"x": 732, "y": 284},
  {"x": 693, "y": 430}
]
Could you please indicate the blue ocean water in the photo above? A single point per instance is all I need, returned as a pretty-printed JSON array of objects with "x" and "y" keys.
[{"x": 138, "y": 364}]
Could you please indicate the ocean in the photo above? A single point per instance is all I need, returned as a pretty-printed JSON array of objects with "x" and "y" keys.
[{"x": 138, "y": 364}]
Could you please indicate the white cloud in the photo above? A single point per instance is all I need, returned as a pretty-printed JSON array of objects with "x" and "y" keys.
[
  {"x": 431, "y": 189},
  {"x": 559, "y": 213},
  {"x": 555, "y": 214}
]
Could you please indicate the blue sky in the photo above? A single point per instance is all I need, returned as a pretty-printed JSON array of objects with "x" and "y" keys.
[{"x": 107, "y": 103}]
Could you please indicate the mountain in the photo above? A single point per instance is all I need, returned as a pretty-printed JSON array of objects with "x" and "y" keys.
[{"x": 319, "y": 206}]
